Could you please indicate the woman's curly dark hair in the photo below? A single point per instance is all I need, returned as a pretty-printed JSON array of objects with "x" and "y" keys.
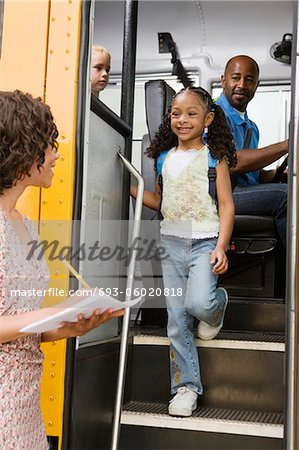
[
  {"x": 219, "y": 137},
  {"x": 26, "y": 130}
]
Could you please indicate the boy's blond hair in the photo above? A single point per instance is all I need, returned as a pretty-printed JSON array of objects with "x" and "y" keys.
[{"x": 100, "y": 49}]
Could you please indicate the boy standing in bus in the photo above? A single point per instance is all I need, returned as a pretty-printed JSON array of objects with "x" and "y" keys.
[
  {"x": 255, "y": 193},
  {"x": 100, "y": 68}
]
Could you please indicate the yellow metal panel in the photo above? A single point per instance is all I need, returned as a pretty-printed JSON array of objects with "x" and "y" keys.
[
  {"x": 57, "y": 202},
  {"x": 40, "y": 54},
  {"x": 24, "y": 46},
  {"x": 52, "y": 394},
  {"x": 23, "y": 64}
]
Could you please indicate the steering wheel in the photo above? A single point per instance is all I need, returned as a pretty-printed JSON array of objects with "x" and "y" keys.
[{"x": 279, "y": 172}]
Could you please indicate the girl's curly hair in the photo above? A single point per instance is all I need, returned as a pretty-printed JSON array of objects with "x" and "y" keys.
[
  {"x": 219, "y": 137},
  {"x": 26, "y": 130}
]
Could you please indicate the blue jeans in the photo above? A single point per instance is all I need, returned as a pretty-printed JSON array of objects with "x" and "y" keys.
[
  {"x": 268, "y": 199},
  {"x": 187, "y": 274}
]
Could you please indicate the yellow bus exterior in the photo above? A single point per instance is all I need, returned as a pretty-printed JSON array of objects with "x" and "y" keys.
[{"x": 40, "y": 54}]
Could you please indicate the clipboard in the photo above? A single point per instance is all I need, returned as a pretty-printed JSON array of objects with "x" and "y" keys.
[{"x": 86, "y": 306}]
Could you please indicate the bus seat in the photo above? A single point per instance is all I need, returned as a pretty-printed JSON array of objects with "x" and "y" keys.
[
  {"x": 255, "y": 269},
  {"x": 158, "y": 97},
  {"x": 148, "y": 173},
  {"x": 262, "y": 226}
]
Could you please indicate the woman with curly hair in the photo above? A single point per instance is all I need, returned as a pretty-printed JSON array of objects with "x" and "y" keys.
[
  {"x": 28, "y": 155},
  {"x": 194, "y": 233}
]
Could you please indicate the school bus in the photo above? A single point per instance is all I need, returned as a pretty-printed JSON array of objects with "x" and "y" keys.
[{"x": 110, "y": 389}]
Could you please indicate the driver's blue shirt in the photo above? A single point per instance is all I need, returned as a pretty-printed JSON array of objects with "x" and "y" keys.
[{"x": 239, "y": 128}]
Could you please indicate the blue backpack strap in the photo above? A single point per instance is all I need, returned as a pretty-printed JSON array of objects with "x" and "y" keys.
[
  {"x": 159, "y": 165},
  {"x": 160, "y": 161},
  {"x": 212, "y": 176}
]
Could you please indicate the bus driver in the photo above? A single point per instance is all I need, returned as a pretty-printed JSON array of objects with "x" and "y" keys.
[{"x": 255, "y": 192}]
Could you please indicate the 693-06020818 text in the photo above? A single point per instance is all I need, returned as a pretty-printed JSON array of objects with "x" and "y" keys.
[{"x": 142, "y": 292}]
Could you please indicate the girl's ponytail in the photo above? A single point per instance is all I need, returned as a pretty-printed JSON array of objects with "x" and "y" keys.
[{"x": 219, "y": 138}]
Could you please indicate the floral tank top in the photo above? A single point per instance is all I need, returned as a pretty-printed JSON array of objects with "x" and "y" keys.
[{"x": 187, "y": 207}]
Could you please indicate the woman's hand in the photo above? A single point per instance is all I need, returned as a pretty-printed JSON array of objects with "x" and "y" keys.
[
  {"x": 83, "y": 326},
  {"x": 219, "y": 259}
]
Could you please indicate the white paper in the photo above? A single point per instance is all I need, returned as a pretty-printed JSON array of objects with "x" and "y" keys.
[{"x": 85, "y": 306}]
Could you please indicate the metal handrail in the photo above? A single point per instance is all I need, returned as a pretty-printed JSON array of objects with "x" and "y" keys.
[
  {"x": 291, "y": 369},
  {"x": 126, "y": 319}
]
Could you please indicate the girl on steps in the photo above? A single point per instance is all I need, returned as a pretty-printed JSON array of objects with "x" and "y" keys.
[{"x": 194, "y": 232}]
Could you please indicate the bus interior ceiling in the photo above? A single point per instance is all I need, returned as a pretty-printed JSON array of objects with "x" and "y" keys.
[{"x": 207, "y": 34}]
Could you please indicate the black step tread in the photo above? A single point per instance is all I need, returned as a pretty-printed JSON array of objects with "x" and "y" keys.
[
  {"x": 209, "y": 413},
  {"x": 256, "y": 336}
]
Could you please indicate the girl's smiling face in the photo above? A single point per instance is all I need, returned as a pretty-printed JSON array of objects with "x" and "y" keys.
[{"x": 188, "y": 118}]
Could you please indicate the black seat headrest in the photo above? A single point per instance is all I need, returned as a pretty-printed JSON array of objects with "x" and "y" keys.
[
  {"x": 253, "y": 226},
  {"x": 158, "y": 98}
]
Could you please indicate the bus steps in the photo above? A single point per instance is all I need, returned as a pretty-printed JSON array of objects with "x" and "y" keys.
[
  {"x": 152, "y": 335},
  {"x": 208, "y": 428},
  {"x": 263, "y": 424},
  {"x": 258, "y": 314},
  {"x": 243, "y": 403}
]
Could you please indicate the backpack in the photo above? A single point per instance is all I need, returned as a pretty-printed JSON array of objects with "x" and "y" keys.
[{"x": 211, "y": 174}]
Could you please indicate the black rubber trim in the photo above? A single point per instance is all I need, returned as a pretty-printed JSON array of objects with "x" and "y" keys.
[
  {"x": 77, "y": 209},
  {"x": 112, "y": 119}
]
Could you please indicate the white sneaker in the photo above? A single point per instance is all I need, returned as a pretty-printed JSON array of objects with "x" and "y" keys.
[
  {"x": 205, "y": 331},
  {"x": 183, "y": 403}
]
